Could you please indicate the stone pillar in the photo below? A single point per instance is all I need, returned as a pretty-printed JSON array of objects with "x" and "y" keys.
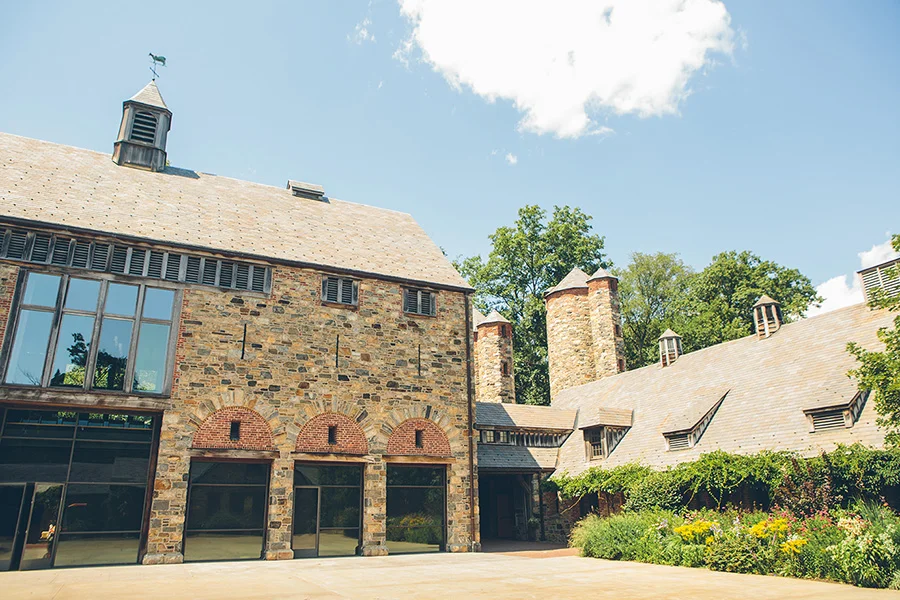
[
  {"x": 374, "y": 508},
  {"x": 569, "y": 344},
  {"x": 281, "y": 509},
  {"x": 606, "y": 325},
  {"x": 459, "y": 513},
  {"x": 495, "y": 381},
  {"x": 169, "y": 504}
]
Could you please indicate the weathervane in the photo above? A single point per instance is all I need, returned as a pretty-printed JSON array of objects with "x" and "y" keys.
[{"x": 157, "y": 61}]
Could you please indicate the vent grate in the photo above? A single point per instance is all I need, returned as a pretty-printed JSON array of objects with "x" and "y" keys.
[
  {"x": 143, "y": 128},
  {"x": 45, "y": 248},
  {"x": 832, "y": 419},
  {"x": 681, "y": 441}
]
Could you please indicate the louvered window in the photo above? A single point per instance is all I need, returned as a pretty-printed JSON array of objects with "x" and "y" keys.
[
  {"x": 46, "y": 248},
  {"x": 885, "y": 277},
  {"x": 143, "y": 128},
  {"x": 829, "y": 419},
  {"x": 603, "y": 440},
  {"x": 419, "y": 302},
  {"x": 340, "y": 290},
  {"x": 679, "y": 441}
]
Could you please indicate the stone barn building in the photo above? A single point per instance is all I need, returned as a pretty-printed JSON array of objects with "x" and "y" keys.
[{"x": 198, "y": 368}]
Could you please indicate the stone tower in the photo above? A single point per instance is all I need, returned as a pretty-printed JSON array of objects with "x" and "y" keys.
[
  {"x": 142, "y": 134},
  {"x": 584, "y": 331},
  {"x": 494, "y": 381}
]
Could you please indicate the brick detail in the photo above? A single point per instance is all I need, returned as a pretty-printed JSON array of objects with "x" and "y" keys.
[
  {"x": 313, "y": 437},
  {"x": 215, "y": 432},
  {"x": 403, "y": 439},
  {"x": 8, "y": 276}
]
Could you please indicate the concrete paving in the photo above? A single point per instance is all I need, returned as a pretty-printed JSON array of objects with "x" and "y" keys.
[{"x": 530, "y": 573}]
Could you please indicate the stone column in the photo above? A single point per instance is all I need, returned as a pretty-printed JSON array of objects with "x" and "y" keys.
[
  {"x": 169, "y": 504},
  {"x": 606, "y": 325},
  {"x": 281, "y": 509},
  {"x": 374, "y": 508}
]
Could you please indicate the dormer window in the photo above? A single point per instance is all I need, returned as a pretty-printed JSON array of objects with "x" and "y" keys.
[
  {"x": 418, "y": 302},
  {"x": 827, "y": 418},
  {"x": 682, "y": 439},
  {"x": 143, "y": 129},
  {"x": 601, "y": 441}
]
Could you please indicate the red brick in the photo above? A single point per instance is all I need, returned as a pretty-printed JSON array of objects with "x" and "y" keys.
[
  {"x": 350, "y": 437},
  {"x": 403, "y": 439},
  {"x": 215, "y": 432}
]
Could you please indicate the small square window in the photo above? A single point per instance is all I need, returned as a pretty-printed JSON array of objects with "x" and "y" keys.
[
  {"x": 340, "y": 291},
  {"x": 332, "y": 434},
  {"x": 235, "y": 434},
  {"x": 419, "y": 302},
  {"x": 419, "y": 438}
]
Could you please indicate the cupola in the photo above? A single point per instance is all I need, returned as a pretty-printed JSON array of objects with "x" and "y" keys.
[
  {"x": 669, "y": 347},
  {"x": 142, "y": 134},
  {"x": 767, "y": 316}
]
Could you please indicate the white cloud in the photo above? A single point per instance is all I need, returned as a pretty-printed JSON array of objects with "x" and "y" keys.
[
  {"x": 511, "y": 158},
  {"x": 877, "y": 254},
  {"x": 561, "y": 62},
  {"x": 838, "y": 294},
  {"x": 361, "y": 32}
]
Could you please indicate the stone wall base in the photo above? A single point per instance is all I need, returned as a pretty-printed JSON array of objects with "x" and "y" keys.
[
  {"x": 169, "y": 558},
  {"x": 279, "y": 554},
  {"x": 374, "y": 550},
  {"x": 471, "y": 547}
]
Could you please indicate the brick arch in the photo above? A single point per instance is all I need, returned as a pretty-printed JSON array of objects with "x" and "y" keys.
[
  {"x": 215, "y": 431},
  {"x": 313, "y": 437},
  {"x": 403, "y": 439}
]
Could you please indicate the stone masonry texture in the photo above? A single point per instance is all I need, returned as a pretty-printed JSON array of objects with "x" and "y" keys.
[
  {"x": 569, "y": 340},
  {"x": 301, "y": 360},
  {"x": 606, "y": 328},
  {"x": 493, "y": 348}
]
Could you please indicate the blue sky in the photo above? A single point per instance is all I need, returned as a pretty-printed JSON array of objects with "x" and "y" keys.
[{"x": 780, "y": 135}]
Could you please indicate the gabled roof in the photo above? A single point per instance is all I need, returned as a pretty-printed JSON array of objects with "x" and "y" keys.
[
  {"x": 574, "y": 280},
  {"x": 769, "y": 383},
  {"x": 73, "y": 188},
  {"x": 612, "y": 417},
  {"x": 523, "y": 416},
  {"x": 494, "y": 317},
  {"x": 150, "y": 96}
]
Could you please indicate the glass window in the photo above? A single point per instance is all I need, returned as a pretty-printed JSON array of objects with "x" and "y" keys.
[
  {"x": 326, "y": 475},
  {"x": 415, "y": 509},
  {"x": 29, "y": 351},
  {"x": 92, "y": 345}
]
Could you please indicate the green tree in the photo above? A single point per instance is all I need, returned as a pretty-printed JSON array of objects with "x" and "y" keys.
[
  {"x": 525, "y": 260},
  {"x": 649, "y": 289},
  {"x": 879, "y": 372},
  {"x": 717, "y": 303}
]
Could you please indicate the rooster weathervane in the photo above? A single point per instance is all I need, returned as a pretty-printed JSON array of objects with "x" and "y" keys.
[{"x": 158, "y": 61}]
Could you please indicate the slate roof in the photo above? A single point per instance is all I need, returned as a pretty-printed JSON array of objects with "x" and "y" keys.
[
  {"x": 150, "y": 96},
  {"x": 498, "y": 457},
  {"x": 523, "y": 416},
  {"x": 574, "y": 280},
  {"x": 769, "y": 383},
  {"x": 477, "y": 317},
  {"x": 494, "y": 317},
  {"x": 75, "y": 188}
]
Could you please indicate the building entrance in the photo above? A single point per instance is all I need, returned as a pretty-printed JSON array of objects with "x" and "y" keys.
[
  {"x": 327, "y": 510},
  {"x": 73, "y": 488}
]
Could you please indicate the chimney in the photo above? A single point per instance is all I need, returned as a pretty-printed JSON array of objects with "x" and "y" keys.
[
  {"x": 767, "y": 316},
  {"x": 669, "y": 347}
]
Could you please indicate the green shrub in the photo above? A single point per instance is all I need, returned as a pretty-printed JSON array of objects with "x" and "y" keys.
[
  {"x": 619, "y": 537},
  {"x": 735, "y": 553},
  {"x": 657, "y": 490}
]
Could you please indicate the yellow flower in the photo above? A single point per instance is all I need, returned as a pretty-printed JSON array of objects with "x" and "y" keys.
[
  {"x": 764, "y": 529},
  {"x": 793, "y": 546},
  {"x": 695, "y": 531}
]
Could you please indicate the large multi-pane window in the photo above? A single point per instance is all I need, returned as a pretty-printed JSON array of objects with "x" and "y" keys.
[
  {"x": 415, "y": 508},
  {"x": 226, "y": 510},
  {"x": 72, "y": 487},
  {"x": 327, "y": 507},
  {"x": 92, "y": 334}
]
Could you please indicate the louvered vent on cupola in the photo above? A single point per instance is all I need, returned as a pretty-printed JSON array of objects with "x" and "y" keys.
[
  {"x": 301, "y": 189},
  {"x": 884, "y": 277},
  {"x": 669, "y": 347},
  {"x": 143, "y": 128},
  {"x": 767, "y": 316}
]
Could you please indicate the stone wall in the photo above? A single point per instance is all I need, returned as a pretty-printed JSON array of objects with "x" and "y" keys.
[
  {"x": 8, "y": 276},
  {"x": 493, "y": 349},
  {"x": 302, "y": 359},
  {"x": 606, "y": 326}
]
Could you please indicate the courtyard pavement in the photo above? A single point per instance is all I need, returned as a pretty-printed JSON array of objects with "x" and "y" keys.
[{"x": 513, "y": 572}]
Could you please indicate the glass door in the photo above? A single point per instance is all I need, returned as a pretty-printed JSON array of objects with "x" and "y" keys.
[
  {"x": 40, "y": 537},
  {"x": 306, "y": 522},
  {"x": 12, "y": 504}
]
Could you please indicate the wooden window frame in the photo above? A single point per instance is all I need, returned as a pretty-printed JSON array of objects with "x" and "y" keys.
[
  {"x": 419, "y": 294},
  {"x": 341, "y": 282}
]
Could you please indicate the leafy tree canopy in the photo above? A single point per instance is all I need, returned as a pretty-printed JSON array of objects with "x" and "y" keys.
[
  {"x": 879, "y": 372},
  {"x": 525, "y": 260}
]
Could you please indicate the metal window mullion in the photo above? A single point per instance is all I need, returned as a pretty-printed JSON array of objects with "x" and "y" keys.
[
  {"x": 218, "y": 273},
  {"x": 29, "y": 246},
  {"x": 171, "y": 344},
  {"x": 51, "y": 246},
  {"x": 132, "y": 348},
  {"x": 91, "y": 362}
]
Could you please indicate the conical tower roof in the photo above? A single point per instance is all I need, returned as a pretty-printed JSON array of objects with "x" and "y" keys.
[
  {"x": 574, "y": 280},
  {"x": 601, "y": 273},
  {"x": 764, "y": 299},
  {"x": 150, "y": 96},
  {"x": 494, "y": 317},
  {"x": 477, "y": 317}
]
